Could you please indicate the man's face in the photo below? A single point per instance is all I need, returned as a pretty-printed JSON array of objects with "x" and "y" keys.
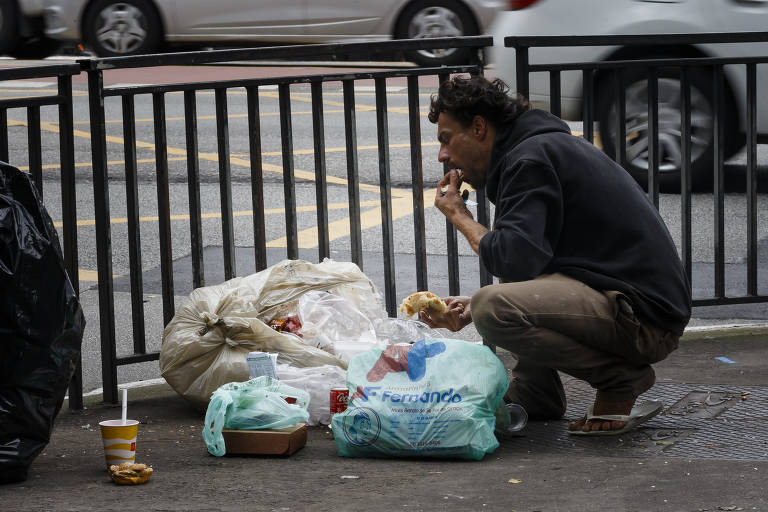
[{"x": 465, "y": 148}]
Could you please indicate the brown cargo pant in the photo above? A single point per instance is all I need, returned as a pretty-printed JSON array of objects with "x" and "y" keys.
[{"x": 556, "y": 323}]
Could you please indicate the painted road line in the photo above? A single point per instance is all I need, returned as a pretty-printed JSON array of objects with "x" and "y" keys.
[
  {"x": 372, "y": 88},
  {"x": 216, "y": 215},
  {"x": 90, "y": 276},
  {"x": 307, "y": 238},
  {"x": 26, "y": 84}
]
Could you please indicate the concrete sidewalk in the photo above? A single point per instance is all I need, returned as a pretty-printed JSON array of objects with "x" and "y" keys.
[{"x": 707, "y": 451}]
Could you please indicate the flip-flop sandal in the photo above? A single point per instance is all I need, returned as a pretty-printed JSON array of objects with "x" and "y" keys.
[{"x": 640, "y": 414}]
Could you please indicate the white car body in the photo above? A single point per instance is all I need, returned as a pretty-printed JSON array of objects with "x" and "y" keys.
[
  {"x": 31, "y": 7},
  {"x": 271, "y": 21},
  {"x": 626, "y": 17}
]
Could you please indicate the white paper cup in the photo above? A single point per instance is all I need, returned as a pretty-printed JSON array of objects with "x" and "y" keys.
[{"x": 119, "y": 441}]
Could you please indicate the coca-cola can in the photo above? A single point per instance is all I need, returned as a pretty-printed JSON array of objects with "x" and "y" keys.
[{"x": 339, "y": 399}]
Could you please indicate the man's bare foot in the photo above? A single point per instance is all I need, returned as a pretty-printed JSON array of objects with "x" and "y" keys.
[{"x": 604, "y": 407}]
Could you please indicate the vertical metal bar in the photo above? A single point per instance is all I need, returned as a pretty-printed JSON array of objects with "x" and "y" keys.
[
  {"x": 555, "y": 93},
  {"x": 289, "y": 180},
  {"x": 521, "y": 70},
  {"x": 163, "y": 206},
  {"x": 225, "y": 183},
  {"x": 751, "y": 179},
  {"x": 452, "y": 241},
  {"x": 35, "y": 147},
  {"x": 686, "y": 241},
  {"x": 621, "y": 118},
  {"x": 385, "y": 188},
  {"x": 68, "y": 190},
  {"x": 321, "y": 185},
  {"x": 103, "y": 235},
  {"x": 719, "y": 182},
  {"x": 193, "y": 190},
  {"x": 653, "y": 136},
  {"x": 483, "y": 217},
  {"x": 353, "y": 180},
  {"x": 69, "y": 215},
  {"x": 588, "y": 104},
  {"x": 4, "y": 135},
  {"x": 257, "y": 180},
  {"x": 134, "y": 231},
  {"x": 417, "y": 183}
]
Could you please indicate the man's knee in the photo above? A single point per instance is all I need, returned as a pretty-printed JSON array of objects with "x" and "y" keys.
[
  {"x": 480, "y": 304},
  {"x": 492, "y": 310}
]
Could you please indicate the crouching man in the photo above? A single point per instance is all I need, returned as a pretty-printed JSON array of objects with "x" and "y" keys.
[{"x": 591, "y": 284}]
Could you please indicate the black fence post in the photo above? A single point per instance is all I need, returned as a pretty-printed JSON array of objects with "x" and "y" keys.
[{"x": 103, "y": 233}]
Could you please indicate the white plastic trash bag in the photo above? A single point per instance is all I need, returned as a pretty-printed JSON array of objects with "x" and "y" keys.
[
  {"x": 335, "y": 324},
  {"x": 205, "y": 344},
  {"x": 317, "y": 381}
]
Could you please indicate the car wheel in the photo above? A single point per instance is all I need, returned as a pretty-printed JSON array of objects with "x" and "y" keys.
[
  {"x": 35, "y": 48},
  {"x": 670, "y": 126},
  {"x": 436, "y": 18},
  {"x": 8, "y": 27},
  {"x": 118, "y": 28}
]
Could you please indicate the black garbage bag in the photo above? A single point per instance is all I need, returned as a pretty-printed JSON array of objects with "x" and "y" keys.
[{"x": 41, "y": 325}]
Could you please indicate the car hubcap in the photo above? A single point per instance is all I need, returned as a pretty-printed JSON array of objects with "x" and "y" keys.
[
  {"x": 121, "y": 28},
  {"x": 435, "y": 22},
  {"x": 670, "y": 124}
]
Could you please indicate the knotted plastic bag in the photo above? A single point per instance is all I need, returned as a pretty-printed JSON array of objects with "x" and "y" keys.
[
  {"x": 435, "y": 398},
  {"x": 257, "y": 404},
  {"x": 205, "y": 344},
  {"x": 317, "y": 381}
]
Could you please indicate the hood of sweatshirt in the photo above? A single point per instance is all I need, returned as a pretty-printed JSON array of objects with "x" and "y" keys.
[{"x": 529, "y": 124}]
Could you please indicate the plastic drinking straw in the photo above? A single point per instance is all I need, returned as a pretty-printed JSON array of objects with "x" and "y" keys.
[{"x": 125, "y": 405}]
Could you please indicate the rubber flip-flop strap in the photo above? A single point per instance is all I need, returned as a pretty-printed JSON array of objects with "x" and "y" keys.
[{"x": 607, "y": 417}]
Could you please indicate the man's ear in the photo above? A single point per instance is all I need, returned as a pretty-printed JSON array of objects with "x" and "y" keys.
[{"x": 479, "y": 127}]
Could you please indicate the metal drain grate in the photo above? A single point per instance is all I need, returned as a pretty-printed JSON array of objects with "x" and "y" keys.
[{"x": 712, "y": 422}]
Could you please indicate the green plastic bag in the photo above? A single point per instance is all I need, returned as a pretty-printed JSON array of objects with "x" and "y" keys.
[
  {"x": 257, "y": 404},
  {"x": 435, "y": 398}
]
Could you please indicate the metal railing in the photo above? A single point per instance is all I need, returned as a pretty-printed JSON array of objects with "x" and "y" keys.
[
  {"x": 99, "y": 94},
  {"x": 31, "y": 106},
  {"x": 615, "y": 69}
]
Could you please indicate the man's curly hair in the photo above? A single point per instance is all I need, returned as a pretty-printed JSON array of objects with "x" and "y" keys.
[{"x": 465, "y": 98}]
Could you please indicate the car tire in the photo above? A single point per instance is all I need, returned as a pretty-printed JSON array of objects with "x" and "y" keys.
[
  {"x": 113, "y": 28},
  {"x": 670, "y": 159},
  {"x": 8, "y": 26},
  {"x": 436, "y": 18}
]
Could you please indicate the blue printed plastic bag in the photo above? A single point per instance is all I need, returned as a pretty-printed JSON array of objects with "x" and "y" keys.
[{"x": 435, "y": 398}]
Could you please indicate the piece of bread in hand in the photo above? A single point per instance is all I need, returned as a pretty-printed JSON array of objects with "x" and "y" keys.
[{"x": 419, "y": 301}]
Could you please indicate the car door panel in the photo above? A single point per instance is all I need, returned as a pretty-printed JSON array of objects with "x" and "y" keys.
[
  {"x": 349, "y": 18},
  {"x": 237, "y": 19}
]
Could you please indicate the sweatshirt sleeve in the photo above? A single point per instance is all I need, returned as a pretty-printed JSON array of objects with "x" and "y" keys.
[{"x": 527, "y": 223}]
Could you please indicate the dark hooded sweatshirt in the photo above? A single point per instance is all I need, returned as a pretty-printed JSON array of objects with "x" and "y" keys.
[{"x": 561, "y": 205}]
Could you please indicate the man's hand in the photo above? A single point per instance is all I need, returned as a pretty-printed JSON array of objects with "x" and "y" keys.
[
  {"x": 455, "y": 318},
  {"x": 451, "y": 204},
  {"x": 447, "y": 197}
]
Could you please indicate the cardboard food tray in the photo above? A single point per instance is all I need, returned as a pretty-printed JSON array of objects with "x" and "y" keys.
[{"x": 283, "y": 441}]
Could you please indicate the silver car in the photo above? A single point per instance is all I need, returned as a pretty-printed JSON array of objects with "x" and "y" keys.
[
  {"x": 569, "y": 17},
  {"x": 129, "y": 27}
]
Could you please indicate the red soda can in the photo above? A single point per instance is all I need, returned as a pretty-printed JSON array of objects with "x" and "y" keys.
[{"x": 339, "y": 399}]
